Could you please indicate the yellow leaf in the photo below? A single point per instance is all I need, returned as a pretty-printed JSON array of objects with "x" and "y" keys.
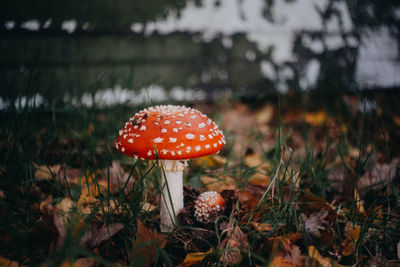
[
  {"x": 194, "y": 258},
  {"x": 46, "y": 172},
  {"x": 209, "y": 162},
  {"x": 218, "y": 184},
  {"x": 314, "y": 255},
  {"x": 315, "y": 118},
  {"x": 262, "y": 227}
]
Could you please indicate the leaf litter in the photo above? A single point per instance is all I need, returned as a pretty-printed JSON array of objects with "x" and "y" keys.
[{"x": 282, "y": 208}]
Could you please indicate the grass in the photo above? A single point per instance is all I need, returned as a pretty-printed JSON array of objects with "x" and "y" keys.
[{"x": 56, "y": 220}]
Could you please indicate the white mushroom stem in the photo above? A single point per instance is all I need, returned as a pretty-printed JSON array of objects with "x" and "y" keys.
[{"x": 172, "y": 193}]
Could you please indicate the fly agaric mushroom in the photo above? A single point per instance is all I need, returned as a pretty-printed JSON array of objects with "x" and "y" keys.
[
  {"x": 171, "y": 134},
  {"x": 208, "y": 206}
]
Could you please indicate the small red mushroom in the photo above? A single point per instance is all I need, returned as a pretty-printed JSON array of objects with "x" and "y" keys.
[
  {"x": 208, "y": 206},
  {"x": 171, "y": 134}
]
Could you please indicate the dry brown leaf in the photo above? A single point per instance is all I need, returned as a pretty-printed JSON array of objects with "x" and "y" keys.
[
  {"x": 262, "y": 227},
  {"x": 209, "y": 162},
  {"x": 348, "y": 245},
  {"x": 284, "y": 251},
  {"x": 318, "y": 227},
  {"x": 314, "y": 255},
  {"x": 265, "y": 114},
  {"x": 94, "y": 236},
  {"x": 194, "y": 258},
  {"x": 233, "y": 245},
  {"x": 43, "y": 172},
  {"x": 117, "y": 177},
  {"x": 398, "y": 250},
  {"x": 378, "y": 176},
  {"x": 253, "y": 159},
  {"x": 148, "y": 207},
  {"x": 146, "y": 244},
  {"x": 219, "y": 184}
]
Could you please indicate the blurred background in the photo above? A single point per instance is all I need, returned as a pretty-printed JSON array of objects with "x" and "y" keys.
[{"x": 110, "y": 52}]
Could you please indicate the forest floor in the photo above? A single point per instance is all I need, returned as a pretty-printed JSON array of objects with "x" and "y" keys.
[{"x": 306, "y": 182}]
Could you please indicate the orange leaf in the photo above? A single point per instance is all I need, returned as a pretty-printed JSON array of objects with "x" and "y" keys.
[
  {"x": 315, "y": 118},
  {"x": 262, "y": 227},
  {"x": 314, "y": 255},
  {"x": 8, "y": 263},
  {"x": 194, "y": 258},
  {"x": 352, "y": 234},
  {"x": 285, "y": 253}
]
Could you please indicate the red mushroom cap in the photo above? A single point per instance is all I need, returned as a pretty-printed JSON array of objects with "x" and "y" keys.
[
  {"x": 208, "y": 206},
  {"x": 170, "y": 132}
]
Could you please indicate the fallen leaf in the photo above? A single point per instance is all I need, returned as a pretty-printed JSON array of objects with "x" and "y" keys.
[
  {"x": 233, "y": 245},
  {"x": 94, "y": 236},
  {"x": 265, "y": 114},
  {"x": 209, "y": 162},
  {"x": 8, "y": 263},
  {"x": 318, "y": 227},
  {"x": 396, "y": 120},
  {"x": 378, "y": 176},
  {"x": 64, "y": 207},
  {"x": 219, "y": 184},
  {"x": 348, "y": 245},
  {"x": 145, "y": 245},
  {"x": 398, "y": 250},
  {"x": 117, "y": 177},
  {"x": 314, "y": 255},
  {"x": 82, "y": 262},
  {"x": 315, "y": 118},
  {"x": 43, "y": 172},
  {"x": 194, "y": 258},
  {"x": 262, "y": 227},
  {"x": 284, "y": 251},
  {"x": 148, "y": 207}
]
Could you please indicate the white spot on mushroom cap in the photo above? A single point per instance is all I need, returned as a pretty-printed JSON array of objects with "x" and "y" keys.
[
  {"x": 123, "y": 149},
  {"x": 178, "y": 122},
  {"x": 197, "y": 148},
  {"x": 202, "y": 138},
  {"x": 142, "y": 128},
  {"x": 130, "y": 140},
  {"x": 201, "y": 125},
  {"x": 166, "y": 122},
  {"x": 172, "y": 140},
  {"x": 189, "y": 136},
  {"x": 175, "y": 130},
  {"x": 158, "y": 140},
  {"x": 163, "y": 130},
  {"x": 149, "y": 153},
  {"x": 207, "y": 146}
]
